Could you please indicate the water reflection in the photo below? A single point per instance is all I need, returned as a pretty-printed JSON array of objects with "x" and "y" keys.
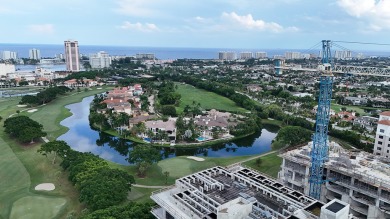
[{"x": 82, "y": 137}]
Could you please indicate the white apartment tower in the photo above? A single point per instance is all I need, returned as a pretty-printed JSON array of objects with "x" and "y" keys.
[
  {"x": 246, "y": 55},
  {"x": 229, "y": 56},
  {"x": 72, "y": 55},
  {"x": 260, "y": 55},
  {"x": 7, "y": 55},
  {"x": 100, "y": 60},
  {"x": 343, "y": 54},
  {"x": 292, "y": 55},
  {"x": 382, "y": 138},
  {"x": 35, "y": 54}
]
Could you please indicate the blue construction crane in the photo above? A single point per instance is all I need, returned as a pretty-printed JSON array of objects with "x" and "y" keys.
[{"x": 319, "y": 152}]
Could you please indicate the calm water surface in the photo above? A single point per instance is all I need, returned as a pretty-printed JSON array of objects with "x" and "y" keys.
[{"x": 82, "y": 137}]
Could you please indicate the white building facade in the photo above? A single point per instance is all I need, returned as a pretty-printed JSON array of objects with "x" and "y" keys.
[
  {"x": 7, "y": 55},
  {"x": 34, "y": 54},
  {"x": 6, "y": 68},
  {"x": 100, "y": 60},
  {"x": 382, "y": 138},
  {"x": 260, "y": 55}
]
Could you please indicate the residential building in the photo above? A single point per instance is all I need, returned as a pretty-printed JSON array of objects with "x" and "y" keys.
[
  {"x": 238, "y": 192},
  {"x": 6, "y": 68},
  {"x": 343, "y": 54},
  {"x": 7, "y": 55},
  {"x": 260, "y": 55},
  {"x": 246, "y": 55},
  {"x": 292, "y": 55},
  {"x": 34, "y": 54},
  {"x": 355, "y": 177},
  {"x": 382, "y": 138},
  {"x": 227, "y": 56},
  {"x": 72, "y": 56},
  {"x": 145, "y": 56},
  {"x": 169, "y": 127},
  {"x": 100, "y": 60},
  {"x": 366, "y": 122}
]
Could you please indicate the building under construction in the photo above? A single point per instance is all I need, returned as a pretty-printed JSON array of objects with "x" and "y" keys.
[
  {"x": 238, "y": 192},
  {"x": 358, "y": 178}
]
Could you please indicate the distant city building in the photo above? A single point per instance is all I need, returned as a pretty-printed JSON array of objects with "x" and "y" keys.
[
  {"x": 260, "y": 55},
  {"x": 382, "y": 138},
  {"x": 227, "y": 56},
  {"x": 279, "y": 63},
  {"x": 305, "y": 56},
  {"x": 292, "y": 55},
  {"x": 34, "y": 54},
  {"x": 344, "y": 54},
  {"x": 360, "y": 56},
  {"x": 246, "y": 55},
  {"x": 6, "y": 68},
  {"x": 145, "y": 56},
  {"x": 278, "y": 57},
  {"x": 100, "y": 60},
  {"x": 7, "y": 55},
  {"x": 72, "y": 55},
  {"x": 59, "y": 56}
]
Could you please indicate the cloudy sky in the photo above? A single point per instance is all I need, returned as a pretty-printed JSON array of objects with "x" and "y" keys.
[{"x": 295, "y": 24}]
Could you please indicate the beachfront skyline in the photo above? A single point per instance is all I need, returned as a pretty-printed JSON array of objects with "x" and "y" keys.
[{"x": 214, "y": 23}]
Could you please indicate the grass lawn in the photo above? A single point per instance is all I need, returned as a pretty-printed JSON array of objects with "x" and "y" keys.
[
  {"x": 23, "y": 168},
  {"x": 337, "y": 108},
  {"x": 207, "y": 100},
  {"x": 37, "y": 207},
  {"x": 270, "y": 164},
  {"x": 57, "y": 112},
  {"x": 177, "y": 167}
]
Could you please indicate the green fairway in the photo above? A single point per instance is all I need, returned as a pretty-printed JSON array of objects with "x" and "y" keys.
[
  {"x": 22, "y": 168},
  {"x": 177, "y": 167},
  {"x": 208, "y": 100},
  {"x": 37, "y": 207},
  {"x": 337, "y": 108},
  {"x": 57, "y": 112},
  {"x": 270, "y": 164}
]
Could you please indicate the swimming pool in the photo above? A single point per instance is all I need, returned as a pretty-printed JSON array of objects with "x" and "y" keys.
[
  {"x": 201, "y": 138},
  {"x": 147, "y": 140}
]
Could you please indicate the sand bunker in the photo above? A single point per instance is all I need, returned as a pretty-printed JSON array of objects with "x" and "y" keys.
[
  {"x": 196, "y": 158},
  {"x": 45, "y": 187},
  {"x": 21, "y": 105},
  {"x": 32, "y": 110}
]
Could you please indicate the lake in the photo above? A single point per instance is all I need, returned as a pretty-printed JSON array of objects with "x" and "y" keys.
[{"x": 81, "y": 137}]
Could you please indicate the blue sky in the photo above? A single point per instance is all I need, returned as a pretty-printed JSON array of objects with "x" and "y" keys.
[{"x": 295, "y": 24}]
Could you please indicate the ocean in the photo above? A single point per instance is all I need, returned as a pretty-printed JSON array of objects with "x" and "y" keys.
[
  {"x": 160, "y": 52},
  {"x": 164, "y": 53}
]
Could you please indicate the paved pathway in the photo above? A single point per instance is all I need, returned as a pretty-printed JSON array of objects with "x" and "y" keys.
[{"x": 149, "y": 187}]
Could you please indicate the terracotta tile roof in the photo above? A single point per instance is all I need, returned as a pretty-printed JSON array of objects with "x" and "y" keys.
[
  {"x": 384, "y": 122},
  {"x": 386, "y": 113}
]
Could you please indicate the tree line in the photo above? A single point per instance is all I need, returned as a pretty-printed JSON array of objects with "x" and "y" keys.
[
  {"x": 104, "y": 190},
  {"x": 44, "y": 96}
]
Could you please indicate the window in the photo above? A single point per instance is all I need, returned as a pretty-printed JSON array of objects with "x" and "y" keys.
[
  {"x": 378, "y": 153},
  {"x": 381, "y": 136},
  {"x": 382, "y": 130},
  {"x": 387, "y": 151},
  {"x": 379, "y": 142},
  {"x": 379, "y": 148}
]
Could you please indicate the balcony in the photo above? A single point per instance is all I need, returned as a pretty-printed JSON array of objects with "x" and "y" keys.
[
  {"x": 359, "y": 209},
  {"x": 158, "y": 212}
]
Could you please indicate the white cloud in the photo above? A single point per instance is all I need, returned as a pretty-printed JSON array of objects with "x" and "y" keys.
[
  {"x": 248, "y": 22},
  {"x": 147, "y": 27},
  {"x": 375, "y": 13},
  {"x": 41, "y": 28}
]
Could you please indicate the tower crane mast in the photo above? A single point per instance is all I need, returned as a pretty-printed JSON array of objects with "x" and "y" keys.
[{"x": 319, "y": 152}]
